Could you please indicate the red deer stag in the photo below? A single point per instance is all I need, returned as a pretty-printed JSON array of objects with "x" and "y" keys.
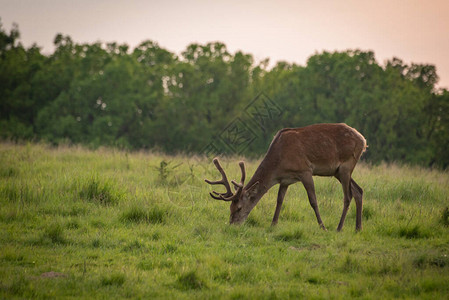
[{"x": 297, "y": 154}]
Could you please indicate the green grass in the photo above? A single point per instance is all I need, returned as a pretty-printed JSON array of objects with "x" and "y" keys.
[{"x": 108, "y": 224}]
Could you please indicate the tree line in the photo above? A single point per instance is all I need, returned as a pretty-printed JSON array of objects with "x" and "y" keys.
[{"x": 150, "y": 98}]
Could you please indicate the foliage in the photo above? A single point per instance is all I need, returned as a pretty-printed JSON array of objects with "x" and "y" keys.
[
  {"x": 106, "y": 94},
  {"x": 445, "y": 216},
  {"x": 158, "y": 241},
  {"x": 96, "y": 191}
]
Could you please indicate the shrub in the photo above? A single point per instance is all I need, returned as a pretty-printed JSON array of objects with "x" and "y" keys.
[
  {"x": 100, "y": 192},
  {"x": 54, "y": 233},
  {"x": 349, "y": 265},
  {"x": 412, "y": 232},
  {"x": 190, "y": 281},
  {"x": 157, "y": 215},
  {"x": 15, "y": 192},
  {"x": 445, "y": 216},
  {"x": 368, "y": 212},
  {"x": 8, "y": 172},
  {"x": 290, "y": 236},
  {"x": 113, "y": 279},
  {"x": 424, "y": 260},
  {"x": 137, "y": 214}
]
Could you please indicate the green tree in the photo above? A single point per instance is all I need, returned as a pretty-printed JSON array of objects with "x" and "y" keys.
[
  {"x": 107, "y": 94},
  {"x": 18, "y": 65}
]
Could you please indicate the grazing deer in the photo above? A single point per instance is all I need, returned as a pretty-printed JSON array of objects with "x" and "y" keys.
[{"x": 297, "y": 154}]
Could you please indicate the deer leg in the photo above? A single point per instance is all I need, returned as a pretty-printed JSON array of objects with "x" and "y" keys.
[
  {"x": 357, "y": 192},
  {"x": 307, "y": 181},
  {"x": 345, "y": 179},
  {"x": 280, "y": 199}
]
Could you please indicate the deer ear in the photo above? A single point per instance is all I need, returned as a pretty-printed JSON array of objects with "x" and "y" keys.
[{"x": 252, "y": 191}]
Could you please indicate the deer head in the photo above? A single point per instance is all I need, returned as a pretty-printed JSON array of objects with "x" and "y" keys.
[{"x": 242, "y": 200}]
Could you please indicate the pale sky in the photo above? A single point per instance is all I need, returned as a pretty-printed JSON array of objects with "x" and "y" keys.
[{"x": 412, "y": 30}]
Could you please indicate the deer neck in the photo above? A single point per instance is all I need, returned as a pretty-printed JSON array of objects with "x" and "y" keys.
[{"x": 264, "y": 175}]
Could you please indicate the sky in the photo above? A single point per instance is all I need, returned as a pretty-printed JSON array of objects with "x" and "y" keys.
[{"x": 413, "y": 30}]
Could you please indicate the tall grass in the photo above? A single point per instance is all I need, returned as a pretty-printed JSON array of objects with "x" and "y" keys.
[{"x": 77, "y": 223}]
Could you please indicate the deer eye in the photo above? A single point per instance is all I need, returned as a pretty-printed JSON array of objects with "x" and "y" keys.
[{"x": 236, "y": 207}]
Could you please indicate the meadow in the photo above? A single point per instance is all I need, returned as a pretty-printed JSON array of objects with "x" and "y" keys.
[{"x": 78, "y": 223}]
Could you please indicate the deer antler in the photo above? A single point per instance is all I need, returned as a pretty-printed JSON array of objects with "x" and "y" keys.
[{"x": 228, "y": 195}]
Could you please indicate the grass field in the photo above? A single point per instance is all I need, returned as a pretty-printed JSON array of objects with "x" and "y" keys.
[{"x": 108, "y": 224}]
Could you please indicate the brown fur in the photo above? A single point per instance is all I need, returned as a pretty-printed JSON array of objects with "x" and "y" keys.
[{"x": 297, "y": 154}]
